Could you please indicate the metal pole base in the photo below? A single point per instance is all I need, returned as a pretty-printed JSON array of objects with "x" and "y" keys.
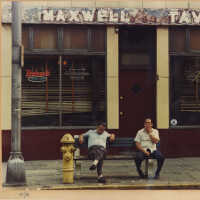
[{"x": 15, "y": 175}]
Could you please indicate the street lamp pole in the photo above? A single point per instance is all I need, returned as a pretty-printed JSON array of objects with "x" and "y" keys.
[
  {"x": 15, "y": 167},
  {"x": 1, "y": 92}
]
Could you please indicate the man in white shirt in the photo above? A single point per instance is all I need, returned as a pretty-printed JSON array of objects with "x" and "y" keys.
[
  {"x": 97, "y": 148},
  {"x": 146, "y": 140}
]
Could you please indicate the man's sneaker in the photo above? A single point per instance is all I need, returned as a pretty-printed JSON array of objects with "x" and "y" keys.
[
  {"x": 141, "y": 174},
  {"x": 101, "y": 180},
  {"x": 93, "y": 167},
  {"x": 157, "y": 176}
]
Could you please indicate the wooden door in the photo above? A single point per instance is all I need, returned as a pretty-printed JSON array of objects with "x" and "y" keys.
[{"x": 137, "y": 100}]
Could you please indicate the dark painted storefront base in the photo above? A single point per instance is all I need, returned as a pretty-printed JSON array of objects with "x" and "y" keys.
[{"x": 45, "y": 144}]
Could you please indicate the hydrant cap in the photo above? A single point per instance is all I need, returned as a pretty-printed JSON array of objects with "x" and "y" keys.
[{"x": 67, "y": 138}]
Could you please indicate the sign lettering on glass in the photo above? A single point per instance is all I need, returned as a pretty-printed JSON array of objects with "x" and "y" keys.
[
  {"x": 77, "y": 73},
  {"x": 35, "y": 76}
]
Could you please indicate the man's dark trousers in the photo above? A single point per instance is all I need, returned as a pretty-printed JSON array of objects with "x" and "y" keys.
[
  {"x": 140, "y": 156},
  {"x": 97, "y": 152}
]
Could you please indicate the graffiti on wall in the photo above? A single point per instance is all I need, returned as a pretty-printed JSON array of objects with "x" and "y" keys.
[{"x": 106, "y": 16}]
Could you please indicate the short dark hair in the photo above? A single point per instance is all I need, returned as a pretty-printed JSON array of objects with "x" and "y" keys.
[
  {"x": 148, "y": 118},
  {"x": 101, "y": 124}
]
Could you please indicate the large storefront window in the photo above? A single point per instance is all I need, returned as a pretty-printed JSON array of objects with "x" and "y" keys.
[
  {"x": 185, "y": 77},
  {"x": 63, "y": 89}
]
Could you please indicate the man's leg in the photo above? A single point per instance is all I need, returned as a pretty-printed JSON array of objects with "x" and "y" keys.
[
  {"x": 100, "y": 178},
  {"x": 96, "y": 154},
  {"x": 92, "y": 156},
  {"x": 160, "y": 161},
  {"x": 138, "y": 161},
  {"x": 99, "y": 167}
]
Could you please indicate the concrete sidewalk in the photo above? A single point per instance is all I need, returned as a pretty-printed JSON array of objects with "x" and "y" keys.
[{"x": 177, "y": 173}]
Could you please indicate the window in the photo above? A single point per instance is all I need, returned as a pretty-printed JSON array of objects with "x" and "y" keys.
[
  {"x": 136, "y": 58},
  {"x": 68, "y": 94},
  {"x": 75, "y": 38},
  {"x": 195, "y": 39},
  {"x": 97, "y": 39},
  {"x": 185, "y": 78},
  {"x": 25, "y": 37},
  {"x": 54, "y": 38},
  {"x": 184, "y": 40},
  {"x": 45, "y": 37},
  {"x": 136, "y": 48},
  {"x": 64, "y": 88},
  {"x": 40, "y": 91},
  {"x": 83, "y": 90},
  {"x": 177, "y": 40}
]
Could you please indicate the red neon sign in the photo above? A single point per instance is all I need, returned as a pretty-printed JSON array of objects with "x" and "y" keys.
[{"x": 30, "y": 73}]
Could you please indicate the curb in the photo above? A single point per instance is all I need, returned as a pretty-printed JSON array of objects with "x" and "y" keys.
[{"x": 125, "y": 187}]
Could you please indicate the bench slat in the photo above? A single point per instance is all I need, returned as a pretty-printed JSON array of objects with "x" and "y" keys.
[
  {"x": 119, "y": 142},
  {"x": 111, "y": 157}
]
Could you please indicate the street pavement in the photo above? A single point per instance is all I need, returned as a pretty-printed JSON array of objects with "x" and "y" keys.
[{"x": 176, "y": 173}]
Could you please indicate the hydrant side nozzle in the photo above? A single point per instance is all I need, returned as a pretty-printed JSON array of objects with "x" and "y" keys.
[
  {"x": 73, "y": 149},
  {"x": 62, "y": 149}
]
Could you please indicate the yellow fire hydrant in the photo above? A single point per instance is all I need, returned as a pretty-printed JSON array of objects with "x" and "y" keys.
[{"x": 68, "y": 153}]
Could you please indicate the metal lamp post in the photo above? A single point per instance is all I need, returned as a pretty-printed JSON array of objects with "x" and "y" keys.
[{"x": 15, "y": 167}]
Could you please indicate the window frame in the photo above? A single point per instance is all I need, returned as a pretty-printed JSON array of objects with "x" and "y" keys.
[
  {"x": 172, "y": 94},
  {"x": 187, "y": 50},
  {"x": 136, "y": 50},
  {"x": 60, "y": 100},
  {"x": 188, "y": 35},
  {"x": 172, "y": 56},
  {"x": 60, "y": 48},
  {"x": 60, "y": 51}
]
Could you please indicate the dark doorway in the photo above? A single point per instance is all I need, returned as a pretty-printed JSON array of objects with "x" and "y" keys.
[{"x": 137, "y": 80}]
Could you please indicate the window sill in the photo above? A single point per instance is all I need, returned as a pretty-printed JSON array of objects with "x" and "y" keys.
[
  {"x": 57, "y": 128},
  {"x": 185, "y": 127}
]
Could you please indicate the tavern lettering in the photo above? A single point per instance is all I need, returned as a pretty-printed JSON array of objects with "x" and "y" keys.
[
  {"x": 107, "y": 15},
  {"x": 41, "y": 15}
]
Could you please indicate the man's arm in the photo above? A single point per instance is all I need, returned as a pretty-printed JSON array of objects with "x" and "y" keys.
[
  {"x": 81, "y": 140},
  {"x": 139, "y": 147},
  {"x": 81, "y": 137},
  {"x": 112, "y": 137},
  {"x": 154, "y": 139},
  {"x": 138, "y": 144}
]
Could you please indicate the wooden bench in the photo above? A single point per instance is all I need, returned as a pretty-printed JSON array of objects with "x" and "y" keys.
[{"x": 122, "y": 142}]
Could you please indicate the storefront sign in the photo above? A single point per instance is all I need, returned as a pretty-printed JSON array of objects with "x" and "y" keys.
[
  {"x": 52, "y": 15},
  {"x": 77, "y": 74},
  {"x": 34, "y": 76}
]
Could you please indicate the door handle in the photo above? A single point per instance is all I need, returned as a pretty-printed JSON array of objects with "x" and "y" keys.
[
  {"x": 121, "y": 113},
  {"x": 121, "y": 97}
]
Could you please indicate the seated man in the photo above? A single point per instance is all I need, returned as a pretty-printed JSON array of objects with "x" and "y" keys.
[
  {"x": 146, "y": 140},
  {"x": 97, "y": 148}
]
